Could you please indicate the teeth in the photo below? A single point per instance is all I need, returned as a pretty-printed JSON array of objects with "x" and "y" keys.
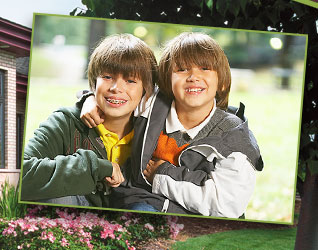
[
  {"x": 115, "y": 101},
  {"x": 194, "y": 90}
]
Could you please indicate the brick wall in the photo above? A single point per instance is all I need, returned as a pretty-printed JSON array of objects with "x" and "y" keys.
[{"x": 8, "y": 65}]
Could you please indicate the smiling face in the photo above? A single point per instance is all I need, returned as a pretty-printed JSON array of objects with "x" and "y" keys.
[
  {"x": 193, "y": 51},
  {"x": 117, "y": 96},
  {"x": 194, "y": 88}
]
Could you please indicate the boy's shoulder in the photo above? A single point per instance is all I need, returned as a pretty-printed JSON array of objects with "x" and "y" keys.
[
  {"x": 71, "y": 112},
  {"x": 226, "y": 121},
  {"x": 64, "y": 116}
]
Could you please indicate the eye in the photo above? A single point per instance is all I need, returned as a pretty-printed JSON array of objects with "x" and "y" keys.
[
  {"x": 181, "y": 70},
  {"x": 205, "y": 68},
  {"x": 131, "y": 81},
  {"x": 107, "y": 77}
]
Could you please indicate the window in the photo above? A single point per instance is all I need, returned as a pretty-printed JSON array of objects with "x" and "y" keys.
[
  {"x": 2, "y": 120},
  {"x": 20, "y": 122}
]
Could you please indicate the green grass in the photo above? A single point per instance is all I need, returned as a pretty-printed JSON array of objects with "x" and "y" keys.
[{"x": 256, "y": 239}]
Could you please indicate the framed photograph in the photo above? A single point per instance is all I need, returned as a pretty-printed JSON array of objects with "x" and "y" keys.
[{"x": 250, "y": 178}]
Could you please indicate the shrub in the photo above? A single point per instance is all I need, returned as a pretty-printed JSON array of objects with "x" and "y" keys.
[
  {"x": 72, "y": 228},
  {"x": 9, "y": 206},
  {"x": 73, "y": 232}
]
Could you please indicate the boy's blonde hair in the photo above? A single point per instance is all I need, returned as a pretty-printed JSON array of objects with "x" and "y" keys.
[
  {"x": 124, "y": 54},
  {"x": 189, "y": 49}
]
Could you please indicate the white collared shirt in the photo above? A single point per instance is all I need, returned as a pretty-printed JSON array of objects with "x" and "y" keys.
[{"x": 173, "y": 123}]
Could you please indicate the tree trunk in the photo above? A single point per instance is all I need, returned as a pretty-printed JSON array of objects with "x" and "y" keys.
[
  {"x": 307, "y": 232},
  {"x": 97, "y": 31}
]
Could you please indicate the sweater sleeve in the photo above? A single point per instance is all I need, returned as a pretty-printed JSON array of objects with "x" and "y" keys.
[
  {"x": 223, "y": 192},
  {"x": 50, "y": 170}
]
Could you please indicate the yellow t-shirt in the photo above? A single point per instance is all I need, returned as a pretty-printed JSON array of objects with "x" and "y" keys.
[{"x": 117, "y": 150}]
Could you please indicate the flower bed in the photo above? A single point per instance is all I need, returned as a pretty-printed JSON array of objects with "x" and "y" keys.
[{"x": 67, "y": 228}]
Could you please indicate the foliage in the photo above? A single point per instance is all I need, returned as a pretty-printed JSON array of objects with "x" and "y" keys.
[
  {"x": 309, "y": 149},
  {"x": 260, "y": 239},
  {"x": 80, "y": 229},
  {"x": 267, "y": 15},
  {"x": 9, "y": 206}
]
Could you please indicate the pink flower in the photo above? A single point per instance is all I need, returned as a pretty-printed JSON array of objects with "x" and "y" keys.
[
  {"x": 123, "y": 217},
  {"x": 175, "y": 229},
  {"x": 43, "y": 236},
  {"x": 9, "y": 230},
  {"x": 105, "y": 233},
  {"x": 149, "y": 226},
  {"x": 136, "y": 220},
  {"x": 64, "y": 242},
  {"x": 51, "y": 237},
  {"x": 129, "y": 247},
  {"x": 127, "y": 223}
]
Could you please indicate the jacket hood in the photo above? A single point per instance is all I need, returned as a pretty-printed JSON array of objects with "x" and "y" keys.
[{"x": 74, "y": 113}]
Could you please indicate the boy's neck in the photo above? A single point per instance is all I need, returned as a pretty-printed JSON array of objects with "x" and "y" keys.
[
  {"x": 191, "y": 118},
  {"x": 119, "y": 126}
]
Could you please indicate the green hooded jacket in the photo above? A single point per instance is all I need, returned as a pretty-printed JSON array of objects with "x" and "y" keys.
[{"x": 65, "y": 158}]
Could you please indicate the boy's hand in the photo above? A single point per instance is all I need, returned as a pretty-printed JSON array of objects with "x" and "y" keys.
[
  {"x": 151, "y": 168},
  {"x": 91, "y": 114},
  {"x": 117, "y": 177}
]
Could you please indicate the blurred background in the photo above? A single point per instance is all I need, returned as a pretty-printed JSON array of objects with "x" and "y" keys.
[{"x": 267, "y": 76}]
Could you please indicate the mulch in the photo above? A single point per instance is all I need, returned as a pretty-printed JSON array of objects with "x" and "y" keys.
[{"x": 194, "y": 227}]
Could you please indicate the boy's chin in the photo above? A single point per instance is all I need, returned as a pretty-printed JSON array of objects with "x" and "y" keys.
[{"x": 117, "y": 114}]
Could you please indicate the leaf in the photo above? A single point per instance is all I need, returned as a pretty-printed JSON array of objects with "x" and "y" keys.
[
  {"x": 313, "y": 166},
  {"x": 221, "y": 7},
  {"x": 257, "y": 4},
  {"x": 209, "y": 3},
  {"x": 258, "y": 24},
  {"x": 243, "y": 4},
  {"x": 237, "y": 22},
  {"x": 273, "y": 16},
  {"x": 89, "y": 4},
  {"x": 234, "y": 7},
  {"x": 72, "y": 13},
  {"x": 195, "y": 3},
  {"x": 299, "y": 9}
]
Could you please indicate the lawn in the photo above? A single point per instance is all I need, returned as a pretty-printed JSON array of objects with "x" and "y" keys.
[{"x": 256, "y": 239}]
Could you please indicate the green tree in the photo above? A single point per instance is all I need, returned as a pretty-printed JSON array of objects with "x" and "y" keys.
[{"x": 266, "y": 15}]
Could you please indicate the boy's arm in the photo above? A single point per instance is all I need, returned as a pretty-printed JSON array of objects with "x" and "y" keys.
[
  {"x": 50, "y": 170},
  {"x": 223, "y": 192},
  {"x": 91, "y": 114}
]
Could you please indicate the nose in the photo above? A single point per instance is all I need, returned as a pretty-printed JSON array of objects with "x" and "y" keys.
[
  {"x": 117, "y": 85},
  {"x": 194, "y": 74}
]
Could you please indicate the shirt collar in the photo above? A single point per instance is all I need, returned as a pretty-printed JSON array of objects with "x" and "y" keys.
[
  {"x": 102, "y": 131},
  {"x": 173, "y": 124}
]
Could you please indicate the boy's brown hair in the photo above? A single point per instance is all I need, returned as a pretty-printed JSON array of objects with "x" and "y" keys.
[
  {"x": 188, "y": 49},
  {"x": 127, "y": 55}
]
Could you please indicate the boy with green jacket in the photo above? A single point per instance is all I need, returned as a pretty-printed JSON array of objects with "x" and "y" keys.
[{"x": 68, "y": 163}]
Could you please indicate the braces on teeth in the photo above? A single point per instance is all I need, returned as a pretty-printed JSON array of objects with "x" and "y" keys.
[{"x": 116, "y": 101}]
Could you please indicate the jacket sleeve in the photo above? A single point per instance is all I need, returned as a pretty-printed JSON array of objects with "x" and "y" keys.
[
  {"x": 223, "y": 192},
  {"x": 49, "y": 171}
]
